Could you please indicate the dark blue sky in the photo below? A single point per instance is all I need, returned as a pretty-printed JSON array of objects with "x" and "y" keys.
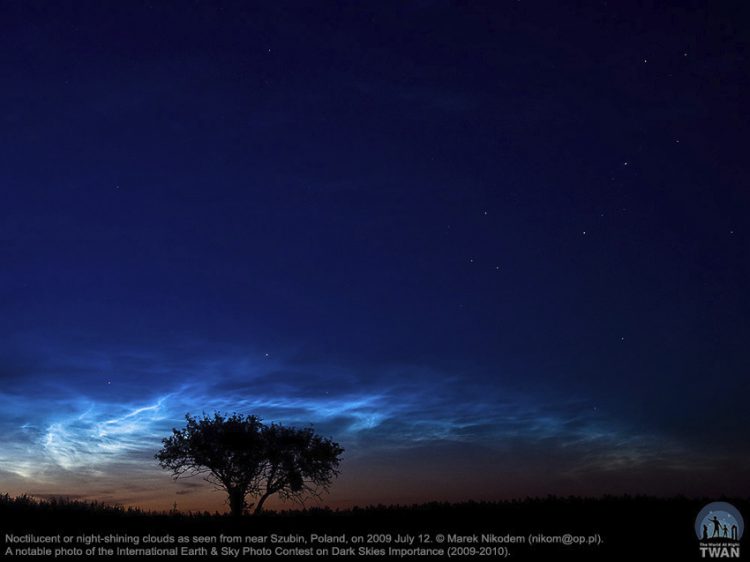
[{"x": 507, "y": 239}]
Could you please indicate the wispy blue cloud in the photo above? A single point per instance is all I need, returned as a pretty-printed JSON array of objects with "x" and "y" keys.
[{"x": 89, "y": 430}]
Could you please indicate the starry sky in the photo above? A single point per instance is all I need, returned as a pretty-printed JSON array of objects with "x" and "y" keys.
[{"x": 493, "y": 249}]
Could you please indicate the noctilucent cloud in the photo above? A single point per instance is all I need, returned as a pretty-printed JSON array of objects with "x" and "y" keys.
[{"x": 493, "y": 250}]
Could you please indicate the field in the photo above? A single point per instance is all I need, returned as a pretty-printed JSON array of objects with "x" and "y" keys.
[{"x": 606, "y": 528}]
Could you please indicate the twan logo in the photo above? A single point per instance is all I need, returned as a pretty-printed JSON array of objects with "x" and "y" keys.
[{"x": 719, "y": 528}]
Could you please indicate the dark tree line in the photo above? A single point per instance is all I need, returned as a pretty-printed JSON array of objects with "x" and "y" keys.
[{"x": 250, "y": 459}]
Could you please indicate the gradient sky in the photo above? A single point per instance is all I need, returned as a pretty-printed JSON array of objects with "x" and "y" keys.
[{"x": 494, "y": 249}]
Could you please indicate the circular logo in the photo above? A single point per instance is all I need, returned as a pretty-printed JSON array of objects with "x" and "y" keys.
[{"x": 719, "y": 521}]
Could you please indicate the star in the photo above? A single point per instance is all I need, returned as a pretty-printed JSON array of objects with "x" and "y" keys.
[{"x": 625, "y": 163}]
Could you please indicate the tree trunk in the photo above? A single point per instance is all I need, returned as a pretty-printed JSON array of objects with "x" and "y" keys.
[
  {"x": 236, "y": 501},
  {"x": 261, "y": 501}
]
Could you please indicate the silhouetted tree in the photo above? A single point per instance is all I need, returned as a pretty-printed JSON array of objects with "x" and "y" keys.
[
  {"x": 247, "y": 458},
  {"x": 227, "y": 451},
  {"x": 298, "y": 464}
]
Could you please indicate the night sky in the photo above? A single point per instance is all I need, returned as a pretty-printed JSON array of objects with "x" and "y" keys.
[{"x": 494, "y": 250}]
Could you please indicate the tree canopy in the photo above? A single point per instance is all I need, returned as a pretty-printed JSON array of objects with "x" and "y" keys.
[{"x": 247, "y": 458}]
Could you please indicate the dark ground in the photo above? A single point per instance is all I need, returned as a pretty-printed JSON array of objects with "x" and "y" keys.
[{"x": 630, "y": 528}]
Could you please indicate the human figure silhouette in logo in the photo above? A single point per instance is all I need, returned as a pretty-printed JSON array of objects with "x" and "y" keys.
[
  {"x": 725, "y": 531},
  {"x": 734, "y": 532},
  {"x": 717, "y": 527},
  {"x": 705, "y": 532}
]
